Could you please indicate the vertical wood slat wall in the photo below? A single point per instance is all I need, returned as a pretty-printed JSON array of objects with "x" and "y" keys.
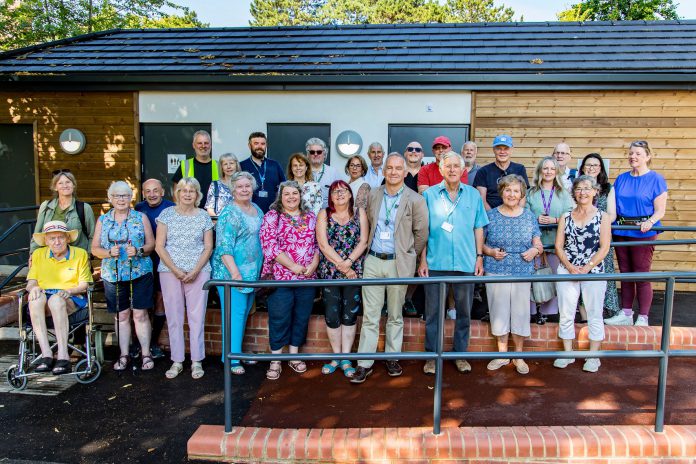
[
  {"x": 605, "y": 122},
  {"x": 109, "y": 123}
]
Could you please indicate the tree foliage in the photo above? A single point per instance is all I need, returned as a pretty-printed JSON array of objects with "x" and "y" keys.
[
  {"x": 29, "y": 22},
  {"x": 322, "y": 12},
  {"x": 620, "y": 10}
]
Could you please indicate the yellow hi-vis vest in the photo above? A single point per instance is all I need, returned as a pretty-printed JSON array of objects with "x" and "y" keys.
[{"x": 187, "y": 169}]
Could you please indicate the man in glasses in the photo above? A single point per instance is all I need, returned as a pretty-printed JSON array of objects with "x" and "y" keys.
[
  {"x": 323, "y": 174},
  {"x": 563, "y": 156},
  {"x": 375, "y": 173},
  {"x": 201, "y": 166},
  {"x": 488, "y": 176},
  {"x": 430, "y": 174},
  {"x": 414, "y": 163},
  {"x": 469, "y": 152},
  {"x": 267, "y": 172}
]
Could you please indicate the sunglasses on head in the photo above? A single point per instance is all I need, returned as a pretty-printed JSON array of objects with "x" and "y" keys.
[
  {"x": 60, "y": 171},
  {"x": 415, "y": 149},
  {"x": 315, "y": 152},
  {"x": 639, "y": 143}
]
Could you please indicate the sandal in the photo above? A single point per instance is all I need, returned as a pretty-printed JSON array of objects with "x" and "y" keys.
[
  {"x": 148, "y": 363},
  {"x": 122, "y": 363},
  {"x": 175, "y": 370},
  {"x": 298, "y": 366},
  {"x": 348, "y": 369},
  {"x": 237, "y": 369},
  {"x": 45, "y": 365},
  {"x": 329, "y": 368},
  {"x": 274, "y": 370},
  {"x": 62, "y": 367},
  {"x": 196, "y": 370}
]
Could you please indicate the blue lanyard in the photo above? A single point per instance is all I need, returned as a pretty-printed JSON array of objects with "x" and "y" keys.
[{"x": 262, "y": 177}]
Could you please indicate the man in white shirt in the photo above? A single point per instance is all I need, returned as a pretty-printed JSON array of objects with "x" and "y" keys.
[
  {"x": 375, "y": 172},
  {"x": 563, "y": 156},
  {"x": 322, "y": 173}
]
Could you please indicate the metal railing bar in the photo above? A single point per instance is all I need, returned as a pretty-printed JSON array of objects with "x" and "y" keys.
[
  {"x": 664, "y": 360},
  {"x": 16, "y": 226},
  {"x": 437, "y": 395},
  {"x": 11, "y": 276},
  {"x": 18, "y": 251}
]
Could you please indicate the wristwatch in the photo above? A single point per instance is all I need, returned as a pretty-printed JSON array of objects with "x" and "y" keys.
[{"x": 141, "y": 251}]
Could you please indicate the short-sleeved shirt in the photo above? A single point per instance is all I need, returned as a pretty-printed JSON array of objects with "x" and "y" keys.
[
  {"x": 514, "y": 235},
  {"x": 130, "y": 231},
  {"x": 488, "y": 177},
  {"x": 203, "y": 172},
  {"x": 557, "y": 203},
  {"x": 635, "y": 196},
  {"x": 326, "y": 176},
  {"x": 53, "y": 274},
  {"x": 185, "y": 238},
  {"x": 152, "y": 213},
  {"x": 453, "y": 250},
  {"x": 268, "y": 177},
  {"x": 472, "y": 174},
  {"x": 224, "y": 197},
  {"x": 295, "y": 236},
  {"x": 373, "y": 177},
  {"x": 430, "y": 175}
]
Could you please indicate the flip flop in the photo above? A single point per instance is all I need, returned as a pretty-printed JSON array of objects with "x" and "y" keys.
[{"x": 329, "y": 368}]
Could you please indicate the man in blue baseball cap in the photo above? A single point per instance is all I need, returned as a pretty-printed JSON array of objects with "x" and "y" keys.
[{"x": 487, "y": 177}]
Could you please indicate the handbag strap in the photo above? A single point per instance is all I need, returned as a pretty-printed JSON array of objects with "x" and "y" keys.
[{"x": 540, "y": 261}]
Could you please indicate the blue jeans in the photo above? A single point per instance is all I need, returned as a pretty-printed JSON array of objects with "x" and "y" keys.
[
  {"x": 241, "y": 305},
  {"x": 288, "y": 316}
]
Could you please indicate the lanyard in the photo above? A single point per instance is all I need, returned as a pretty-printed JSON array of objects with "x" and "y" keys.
[
  {"x": 262, "y": 177},
  {"x": 321, "y": 174},
  {"x": 547, "y": 206},
  {"x": 388, "y": 209},
  {"x": 449, "y": 210}
]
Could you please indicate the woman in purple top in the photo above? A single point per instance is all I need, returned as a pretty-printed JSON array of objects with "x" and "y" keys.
[{"x": 641, "y": 198}]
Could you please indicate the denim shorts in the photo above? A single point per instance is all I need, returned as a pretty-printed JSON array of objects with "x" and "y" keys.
[
  {"x": 142, "y": 293},
  {"x": 79, "y": 300}
]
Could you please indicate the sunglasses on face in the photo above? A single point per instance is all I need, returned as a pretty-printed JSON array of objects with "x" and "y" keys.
[
  {"x": 315, "y": 152},
  {"x": 414, "y": 149},
  {"x": 60, "y": 171}
]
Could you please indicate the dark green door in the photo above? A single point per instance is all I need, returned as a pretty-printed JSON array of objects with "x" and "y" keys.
[{"x": 286, "y": 139}]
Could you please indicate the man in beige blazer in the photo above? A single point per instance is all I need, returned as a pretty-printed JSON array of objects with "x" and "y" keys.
[{"x": 398, "y": 233}]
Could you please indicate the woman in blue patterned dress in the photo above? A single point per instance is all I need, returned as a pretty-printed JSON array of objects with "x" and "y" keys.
[
  {"x": 123, "y": 239},
  {"x": 220, "y": 191},
  {"x": 512, "y": 242},
  {"x": 238, "y": 256},
  {"x": 342, "y": 237}
]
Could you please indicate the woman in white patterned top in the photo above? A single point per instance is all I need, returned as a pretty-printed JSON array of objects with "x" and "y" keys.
[
  {"x": 299, "y": 171},
  {"x": 184, "y": 245}
]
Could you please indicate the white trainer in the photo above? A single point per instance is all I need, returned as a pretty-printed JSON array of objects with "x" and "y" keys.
[
  {"x": 452, "y": 313},
  {"x": 496, "y": 364},
  {"x": 642, "y": 321},
  {"x": 563, "y": 363},
  {"x": 620, "y": 319},
  {"x": 591, "y": 365}
]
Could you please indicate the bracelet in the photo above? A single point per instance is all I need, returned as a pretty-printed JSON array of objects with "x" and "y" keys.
[
  {"x": 350, "y": 259},
  {"x": 479, "y": 255}
]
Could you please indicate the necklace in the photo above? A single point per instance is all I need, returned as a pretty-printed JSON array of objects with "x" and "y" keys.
[{"x": 298, "y": 222}]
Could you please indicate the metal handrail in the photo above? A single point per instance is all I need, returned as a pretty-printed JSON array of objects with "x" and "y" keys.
[{"x": 662, "y": 354}]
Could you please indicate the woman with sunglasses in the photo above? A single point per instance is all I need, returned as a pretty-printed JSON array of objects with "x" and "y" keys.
[
  {"x": 356, "y": 168},
  {"x": 65, "y": 207},
  {"x": 342, "y": 233},
  {"x": 123, "y": 240},
  {"x": 593, "y": 165},
  {"x": 640, "y": 196}
]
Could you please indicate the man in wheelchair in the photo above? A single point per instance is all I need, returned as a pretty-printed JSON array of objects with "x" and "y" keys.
[{"x": 56, "y": 283}]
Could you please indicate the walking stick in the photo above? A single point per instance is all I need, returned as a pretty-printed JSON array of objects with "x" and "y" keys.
[
  {"x": 130, "y": 302},
  {"x": 118, "y": 316}
]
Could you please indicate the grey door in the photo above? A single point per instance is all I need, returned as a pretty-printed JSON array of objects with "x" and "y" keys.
[
  {"x": 19, "y": 186},
  {"x": 401, "y": 135},
  {"x": 160, "y": 142},
  {"x": 286, "y": 139}
]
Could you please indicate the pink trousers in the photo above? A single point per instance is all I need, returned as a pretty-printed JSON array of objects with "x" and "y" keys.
[{"x": 189, "y": 299}]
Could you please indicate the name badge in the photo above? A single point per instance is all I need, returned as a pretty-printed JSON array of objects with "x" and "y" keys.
[
  {"x": 385, "y": 235},
  {"x": 447, "y": 227},
  {"x": 263, "y": 194}
]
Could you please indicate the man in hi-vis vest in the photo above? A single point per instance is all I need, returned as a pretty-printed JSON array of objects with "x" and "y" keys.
[{"x": 201, "y": 166}]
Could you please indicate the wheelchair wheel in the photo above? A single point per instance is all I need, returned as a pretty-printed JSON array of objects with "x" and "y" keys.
[
  {"x": 87, "y": 377},
  {"x": 17, "y": 383}
]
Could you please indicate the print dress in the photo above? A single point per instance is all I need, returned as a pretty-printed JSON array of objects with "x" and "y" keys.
[
  {"x": 343, "y": 239},
  {"x": 611, "y": 297}
]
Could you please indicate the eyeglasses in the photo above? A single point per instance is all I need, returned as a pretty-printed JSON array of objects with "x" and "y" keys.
[
  {"x": 583, "y": 189},
  {"x": 121, "y": 196},
  {"x": 315, "y": 152},
  {"x": 414, "y": 149},
  {"x": 353, "y": 165},
  {"x": 593, "y": 166},
  {"x": 338, "y": 192},
  {"x": 561, "y": 153},
  {"x": 59, "y": 171}
]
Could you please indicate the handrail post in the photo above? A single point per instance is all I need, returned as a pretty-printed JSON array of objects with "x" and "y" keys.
[
  {"x": 437, "y": 400},
  {"x": 664, "y": 348},
  {"x": 227, "y": 343}
]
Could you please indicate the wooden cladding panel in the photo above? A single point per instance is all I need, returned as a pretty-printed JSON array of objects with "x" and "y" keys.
[
  {"x": 604, "y": 122},
  {"x": 109, "y": 122}
]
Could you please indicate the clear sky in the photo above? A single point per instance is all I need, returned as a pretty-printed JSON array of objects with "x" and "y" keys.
[{"x": 235, "y": 13}]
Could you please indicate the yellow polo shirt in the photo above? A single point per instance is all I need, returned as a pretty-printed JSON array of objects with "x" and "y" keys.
[{"x": 52, "y": 274}]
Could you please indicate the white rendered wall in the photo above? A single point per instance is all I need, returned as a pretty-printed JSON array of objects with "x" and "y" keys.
[{"x": 234, "y": 115}]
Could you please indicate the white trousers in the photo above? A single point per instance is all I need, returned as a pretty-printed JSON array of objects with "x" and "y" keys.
[{"x": 593, "y": 299}]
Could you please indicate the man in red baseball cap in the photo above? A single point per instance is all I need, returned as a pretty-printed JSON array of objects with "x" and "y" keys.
[{"x": 430, "y": 174}]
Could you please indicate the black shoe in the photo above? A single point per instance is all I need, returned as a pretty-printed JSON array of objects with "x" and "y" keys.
[
  {"x": 361, "y": 374},
  {"x": 409, "y": 309},
  {"x": 393, "y": 368},
  {"x": 156, "y": 352}
]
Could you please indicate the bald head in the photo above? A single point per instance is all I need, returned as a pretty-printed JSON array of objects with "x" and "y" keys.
[{"x": 153, "y": 192}]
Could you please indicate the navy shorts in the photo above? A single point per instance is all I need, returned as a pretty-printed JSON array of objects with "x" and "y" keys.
[
  {"x": 142, "y": 293},
  {"x": 79, "y": 300}
]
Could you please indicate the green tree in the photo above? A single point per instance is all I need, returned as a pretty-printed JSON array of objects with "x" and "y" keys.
[
  {"x": 477, "y": 11},
  {"x": 30, "y": 22},
  {"x": 620, "y": 10},
  {"x": 285, "y": 12}
]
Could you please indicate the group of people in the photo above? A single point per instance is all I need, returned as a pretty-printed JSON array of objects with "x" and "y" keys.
[{"x": 393, "y": 217}]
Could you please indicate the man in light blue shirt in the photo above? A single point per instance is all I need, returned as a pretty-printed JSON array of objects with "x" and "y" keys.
[
  {"x": 375, "y": 173},
  {"x": 455, "y": 248}
]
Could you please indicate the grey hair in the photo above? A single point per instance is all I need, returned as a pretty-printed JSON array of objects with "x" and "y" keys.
[
  {"x": 585, "y": 178},
  {"x": 450, "y": 154},
  {"x": 277, "y": 205},
  {"x": 469, "y": 142},
  {"x": 395, "y": 154},
  {"x": 237, "y": 176},
  {"x": 118, "y": 186},
  {"x": 231, "y": 156},
  {"x": 375, "y": 144},
  {"x": 192, "y": 181},
  {"x": 201, "y": 132},
  {"x": 316, "y": 141}
]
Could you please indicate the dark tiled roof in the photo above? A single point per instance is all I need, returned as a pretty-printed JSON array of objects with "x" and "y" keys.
[{"x": 656, "y": 48}]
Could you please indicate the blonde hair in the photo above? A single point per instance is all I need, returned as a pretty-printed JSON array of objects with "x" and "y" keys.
[
  {"x": 188, "y": 181},
  {"x": 68, "y": 175}
]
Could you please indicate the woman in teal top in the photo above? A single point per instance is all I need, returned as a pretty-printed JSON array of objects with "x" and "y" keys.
[
  {"x": 548, "y": 200},
  {"x": 238, "y": 256}
]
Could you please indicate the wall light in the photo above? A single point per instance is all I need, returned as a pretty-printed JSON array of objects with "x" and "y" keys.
[{"x": 72, "y": 141}]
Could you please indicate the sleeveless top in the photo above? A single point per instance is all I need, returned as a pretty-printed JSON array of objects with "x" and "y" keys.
[
  {"x": 130, "y": 230},
  {"x": 343, "y": 239},
  {"x": 581, "y": 243}
]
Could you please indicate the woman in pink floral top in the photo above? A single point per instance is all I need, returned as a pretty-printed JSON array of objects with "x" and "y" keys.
[{"x": 290, "y": 252}]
